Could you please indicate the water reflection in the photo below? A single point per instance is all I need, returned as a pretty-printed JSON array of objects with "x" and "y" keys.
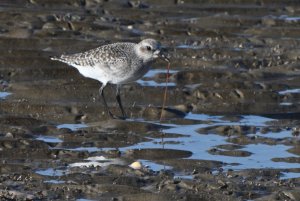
[
  {"x": 153, "y": 72},
  {"x": 73, "y": 127},
  {"x": 3, "y": 94},
  {"x": 190, "y": 138},
  {"x": 51, "y": 172},
  {"x": 289, "y": 91}
]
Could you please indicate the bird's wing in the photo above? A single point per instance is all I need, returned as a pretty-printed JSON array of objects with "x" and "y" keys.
[{"x": 106, "y": 56}]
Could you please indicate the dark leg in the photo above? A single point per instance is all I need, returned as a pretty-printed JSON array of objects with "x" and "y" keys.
[
  {"x": 118, "y": 97},
  {"x": 101, "y": 91}
]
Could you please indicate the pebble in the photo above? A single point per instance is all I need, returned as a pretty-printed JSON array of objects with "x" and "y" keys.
[{"x": 136, "y": 165}]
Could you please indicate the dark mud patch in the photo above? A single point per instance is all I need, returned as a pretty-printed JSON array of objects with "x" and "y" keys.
[{"x": 156, "y": 154}]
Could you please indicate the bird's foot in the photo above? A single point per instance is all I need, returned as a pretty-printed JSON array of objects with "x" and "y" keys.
[{"x": 112, "y": 116}]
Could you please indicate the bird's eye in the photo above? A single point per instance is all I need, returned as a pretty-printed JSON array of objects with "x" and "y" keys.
[{"x": 148, "y": 48}]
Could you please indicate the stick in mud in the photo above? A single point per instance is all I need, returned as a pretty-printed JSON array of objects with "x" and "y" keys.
[{"x": 166, "y": 88}]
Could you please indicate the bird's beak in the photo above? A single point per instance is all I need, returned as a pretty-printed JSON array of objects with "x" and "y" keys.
[
  {"x": 164, "y": 57},
  {"x": 156, "y": 53},
  {"x": 159, "y": 54}
]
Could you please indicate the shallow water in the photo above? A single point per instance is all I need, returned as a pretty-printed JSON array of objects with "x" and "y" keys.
[
  {"x": 4, "y": 94},
  {"x": 231, "y": 131},
  {"x": 289, "y": 91},
  {"x": 189, "y": 138},
  {"x": 50, "y": 139},
  {"x": 51, "y": 172},
  {"x": 97, "y": 162},
  {"x": 73, "y": 127},
  {"x": 151, "y": 74},
  {"x": 151, "y": 83},
  {"x": 53, "y": 181},
  {"x": 294, "y": 19},
  {"x": 260, "y": 157}
]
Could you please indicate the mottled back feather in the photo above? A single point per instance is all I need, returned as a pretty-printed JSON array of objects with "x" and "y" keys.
[
  {"x": 116, "y": 63},
  {"x": 111, "y": 56}
]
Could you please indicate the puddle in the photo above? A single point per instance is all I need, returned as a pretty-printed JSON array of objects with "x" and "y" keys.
[
  {"x": 98, "y": 161},
  {"x": 289, "y": 91},
  {"x": 154, "y": 166},
  {"x": 261, "y": 157},
  {"x": 290, "y": 175},
  {"x": 3, "y": 94},
  {"x": 289, "y": 18},
  {"x": 90, "y": 149},
  {"x": 53, "y": 181},
  {"x": 261, "y": 153},
  {"x": 286, "y": 103},
  {"x": 276, "y": 135},
  {"x": 203, "y": 117},
  {"x": 152, "y": 83},
  {"x": 214, "y": 48},
  {"x": 246, "y": 120},
  {"x": 51, "y": 172},
  {"x": 254, "y": 120},
  {"x": 49, "y": 139},
  {"x": 195, "y": 47},
  {"x": 199, "y": 144},
  {"x": 73, "y": 127},
  {"x": 154, "y": 72},
  {"x": 189, "y": 177}
]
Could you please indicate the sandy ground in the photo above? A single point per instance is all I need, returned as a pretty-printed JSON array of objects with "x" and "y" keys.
[{"x": 231, "y": 129}]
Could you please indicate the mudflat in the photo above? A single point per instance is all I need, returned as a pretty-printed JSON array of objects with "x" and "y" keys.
[{"x": 231, "y": 127}]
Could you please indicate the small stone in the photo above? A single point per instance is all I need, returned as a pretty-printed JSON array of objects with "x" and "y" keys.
[
  {"x": 136, "y": 165},
  {"x": 9, "y": 135},
  {"x": 269, "y": 21},
  {"x": 293, "y": 195},
  {"x": 137, "y": 4}
]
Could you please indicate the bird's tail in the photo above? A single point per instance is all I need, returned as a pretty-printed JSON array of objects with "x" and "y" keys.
[
  {"x": 62, "y": 58},
  {"x": 55, "y": 58}
]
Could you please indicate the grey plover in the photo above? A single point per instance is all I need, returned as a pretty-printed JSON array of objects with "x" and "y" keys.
[{"x": 117, "y": 63}]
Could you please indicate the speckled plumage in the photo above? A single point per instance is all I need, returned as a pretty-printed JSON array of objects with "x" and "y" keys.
[{"x": 117, "y": 63}]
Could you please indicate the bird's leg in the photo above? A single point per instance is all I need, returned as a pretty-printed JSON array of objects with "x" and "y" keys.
[
  {"x": 118, "y": 97},
  {"x": 101, "y": 91}
]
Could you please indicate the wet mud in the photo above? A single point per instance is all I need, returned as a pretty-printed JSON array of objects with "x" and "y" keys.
[{"x": 230, "y": 130}]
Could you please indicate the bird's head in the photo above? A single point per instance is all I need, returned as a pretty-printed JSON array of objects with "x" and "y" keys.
[{"x": 148, "y": 50}]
